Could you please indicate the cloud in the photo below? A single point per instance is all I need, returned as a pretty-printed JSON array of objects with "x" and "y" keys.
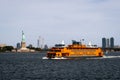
[{"x": 63, "y": 19}]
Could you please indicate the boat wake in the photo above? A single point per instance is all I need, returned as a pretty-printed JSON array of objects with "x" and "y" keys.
[
  {"x": 111, "y": 56},
  {"x": 44, "y": 58},
  {"x": 105, "y": 57}
]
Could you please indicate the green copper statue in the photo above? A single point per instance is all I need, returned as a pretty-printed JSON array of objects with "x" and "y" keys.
[{"x": 23, "y": 37}]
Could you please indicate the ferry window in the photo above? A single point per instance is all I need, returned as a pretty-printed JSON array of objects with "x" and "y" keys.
[{"x": 57, "y": 50}]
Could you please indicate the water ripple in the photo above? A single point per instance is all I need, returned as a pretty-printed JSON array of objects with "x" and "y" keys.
[{"x": 33, "y": 67}]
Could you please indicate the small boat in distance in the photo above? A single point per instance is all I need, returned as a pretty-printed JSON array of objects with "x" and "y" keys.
[{"x": 75, "y": 50}]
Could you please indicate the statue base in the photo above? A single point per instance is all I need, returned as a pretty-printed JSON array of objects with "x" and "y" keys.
[{"x": 23, "y": 44}]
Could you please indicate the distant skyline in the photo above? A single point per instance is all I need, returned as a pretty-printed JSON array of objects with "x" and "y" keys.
[{"x": 57, "y": 20}]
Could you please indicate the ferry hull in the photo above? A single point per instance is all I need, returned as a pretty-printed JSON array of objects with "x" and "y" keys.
[{"x": 75, "y": 57}]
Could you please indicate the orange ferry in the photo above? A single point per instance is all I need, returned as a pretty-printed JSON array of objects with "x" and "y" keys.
[{"x": 75, "y": 50}]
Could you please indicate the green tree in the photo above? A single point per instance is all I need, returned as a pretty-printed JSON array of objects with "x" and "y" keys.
[{"x": 8, "y": 48}]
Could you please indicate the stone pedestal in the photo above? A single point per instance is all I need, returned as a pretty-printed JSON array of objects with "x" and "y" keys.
[{"x": 23, "y": 45}]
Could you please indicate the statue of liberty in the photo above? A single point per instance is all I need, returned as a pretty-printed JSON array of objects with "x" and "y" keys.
[{"x": 23, "y": 37}]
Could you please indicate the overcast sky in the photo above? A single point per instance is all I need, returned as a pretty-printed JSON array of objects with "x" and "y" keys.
[{"x": 57, "y": 20}]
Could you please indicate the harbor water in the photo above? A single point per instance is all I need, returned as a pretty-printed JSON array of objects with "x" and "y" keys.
[{"x": 32, "y": 66}]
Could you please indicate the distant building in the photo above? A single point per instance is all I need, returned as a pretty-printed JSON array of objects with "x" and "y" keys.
[
  {"x": 38, "y": 42},
  {"x": 103, "y": 42},
  {"x": 42, "y": 43},
  {"x": 45, "y": 47},
  {"x": 112, "y": 42},
  {"x": 108, "y": 43},
  {"x": 2, "y": 45},
  {"x": 18, "y": 46}
]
